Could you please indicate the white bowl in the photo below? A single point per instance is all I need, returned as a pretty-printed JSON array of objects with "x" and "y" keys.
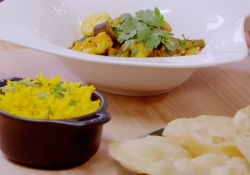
[{"x": 51, "y": 25}]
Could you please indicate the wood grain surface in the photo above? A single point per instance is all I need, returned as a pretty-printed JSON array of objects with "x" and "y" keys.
[{"x": 220, "y": 90}]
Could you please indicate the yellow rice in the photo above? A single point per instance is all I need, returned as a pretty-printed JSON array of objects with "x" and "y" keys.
[{"x": 46, "y": 98}]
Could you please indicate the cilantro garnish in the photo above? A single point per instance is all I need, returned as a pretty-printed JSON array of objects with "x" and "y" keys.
[
  {"x": 154, "y": 39},
  {"x": 181, "y": 44},
  {"x": 143, "y": 33},
  {"x": 41, "y": 95},
  {"x": 27, "y": 83},
  {"x": 4, "y": 88},
  {"x": 72, "y": 102},
  {"x": 58, "y": 89},
  {"x": 183, "y": 36},
  {"x": 38, "y": 82},
  {"x": 116, "y": 30},
  {"x": 135, "y": 50},
  {"x": 170, "y": 44},
  {"x": 11, "y": 89},
  {"x": 50, "y": 111},
  {"x": 144, "y": 27},
  {"x": 83, "y": 38},
  {"x": 151, "y": 18}
]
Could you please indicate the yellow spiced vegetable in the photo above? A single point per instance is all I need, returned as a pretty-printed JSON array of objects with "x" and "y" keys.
[
  {"x": 138, "y": 49},
  {"x": 91, "y": 21},
  {"x": 146, "y": 34},
  {"x": 46, "y": 98},
  {"x": 94, "y": 45}
]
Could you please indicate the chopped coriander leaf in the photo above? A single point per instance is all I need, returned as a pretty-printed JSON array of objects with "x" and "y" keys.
[
  {"x": 50, "y": 111},
  {"x": 154, "y": 38},
  {"x": 70, "y": 89},
  {"x": 129, "y": 25},
  {"x": 128, "y": 43},
  {"x": 132, "y": 33},
  {"x": 159, "y": 17},
  {"x": 125, "y": 17},
  {"x": 72, "y": 102},
  {"x": 58, "y": 89},
  {"x": 181, "y": 44},
  {"x": 135, "y": 50},
  {"x": 83, "y": 38},
  {"x": 122, "y": 37},
  {"x": 41, "y": 95},
  {"x": 38, "y": 82},
  {"x": 183, "y": 36},
  {"x": 151, "y": 18},
  {"x": 170, "y": 44},
  {"x": 27, "y": 83},
  {"x": 12, "y": 88},
  {"x": 116, "y": 30},
  {"x": 143, "y": 33},
  {"x": 4, "y": 88}
]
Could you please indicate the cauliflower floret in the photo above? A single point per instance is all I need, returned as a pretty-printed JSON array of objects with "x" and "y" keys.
[
  {"x": 91, "y": 21},
  {"x": 94, "y": 45}
]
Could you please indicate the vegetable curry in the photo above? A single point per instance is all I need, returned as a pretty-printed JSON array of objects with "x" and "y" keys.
[{"x": 146, "y": 34}]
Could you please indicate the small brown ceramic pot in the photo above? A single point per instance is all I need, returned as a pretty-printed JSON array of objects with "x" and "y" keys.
[{"x": 52, "y": 144}]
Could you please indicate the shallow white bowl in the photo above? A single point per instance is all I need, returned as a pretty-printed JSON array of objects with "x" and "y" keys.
[{"x": 51, "y": 26}]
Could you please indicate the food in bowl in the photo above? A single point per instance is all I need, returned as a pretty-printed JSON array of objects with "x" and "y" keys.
[
  {"x": 51, "y": 26},
  {"x": 46, "y": 98},
  {"x": 207, "y": 145},
  {"x": 52, "y": 144},
  {"x": 146, "y": 34}
]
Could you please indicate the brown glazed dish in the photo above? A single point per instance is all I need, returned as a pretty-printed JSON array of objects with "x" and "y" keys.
[{"x": 52, "y": 144}]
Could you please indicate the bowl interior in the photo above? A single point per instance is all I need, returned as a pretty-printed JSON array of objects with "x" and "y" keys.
[
  {"x": 58, "y": 21},
  {"x": 52, "y": 25}
]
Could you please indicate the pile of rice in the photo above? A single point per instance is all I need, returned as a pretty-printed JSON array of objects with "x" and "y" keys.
[{"x": 45, "y": 98}]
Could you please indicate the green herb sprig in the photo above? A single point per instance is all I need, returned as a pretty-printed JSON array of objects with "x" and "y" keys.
[{"x": 143, "y": 27}]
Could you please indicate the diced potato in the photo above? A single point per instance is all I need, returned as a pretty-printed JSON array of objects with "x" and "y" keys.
[
  {"x": 166, "y": 26},
  {"x": 142, "y": 50},
  {"x": 116, "y": 21},
  {"x": 91, "y": 21},
  {"x": 192, "y": 51},
  {"x": 112, "y": 52}
]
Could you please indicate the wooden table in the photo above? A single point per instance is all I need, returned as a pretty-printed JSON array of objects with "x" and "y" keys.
[{"x": 218, "y": 90}]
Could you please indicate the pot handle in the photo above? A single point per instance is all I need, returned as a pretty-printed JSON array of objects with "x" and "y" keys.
[{"x": 96, "y": 118}]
